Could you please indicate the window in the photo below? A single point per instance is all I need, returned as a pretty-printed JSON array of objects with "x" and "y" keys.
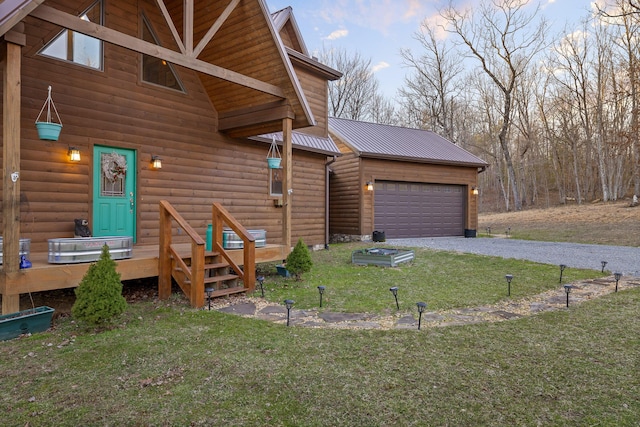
[
  {"x": 275, "y": 182},
  {"x": 154, "y": 70},
  {"x": 75, "y": 47}
]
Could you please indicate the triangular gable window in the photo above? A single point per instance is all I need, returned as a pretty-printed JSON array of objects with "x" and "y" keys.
[
  {"x": 155, "y": 70},
  {"x": 76, "y": 47}
]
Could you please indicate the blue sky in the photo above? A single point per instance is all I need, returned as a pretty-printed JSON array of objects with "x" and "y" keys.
[{"x": 378, "y": 29}]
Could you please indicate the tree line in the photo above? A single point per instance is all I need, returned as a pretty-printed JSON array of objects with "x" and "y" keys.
[{"x": 555, "y": 117}]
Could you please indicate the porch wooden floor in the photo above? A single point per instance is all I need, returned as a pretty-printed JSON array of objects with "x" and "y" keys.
[{"x": 43, "y": 276}]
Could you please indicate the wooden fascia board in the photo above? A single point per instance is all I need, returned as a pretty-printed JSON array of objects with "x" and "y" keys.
[
  {"x": 313, "y": 65},
  {"x": 254, "y": 115},
  {"x": 287, "y": 64},
  {"x": 349, "y": 145},
  {"x": 420, "y": 160},
  {"x": 14, "y": 11},
  {"x": 105, "y": 34}
]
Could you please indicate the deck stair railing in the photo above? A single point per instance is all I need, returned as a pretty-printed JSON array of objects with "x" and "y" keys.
[{"x": 215, "y": 269}]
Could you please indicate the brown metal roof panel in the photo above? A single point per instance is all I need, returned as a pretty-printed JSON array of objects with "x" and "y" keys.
[
  {"x": 306, "y": 142},
  {"x": 378, "y": 140}
]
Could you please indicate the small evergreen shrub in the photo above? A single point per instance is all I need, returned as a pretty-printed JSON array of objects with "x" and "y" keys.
[
  {"x": 99, "y": 296},
  {"x": 299, "y": 260}
]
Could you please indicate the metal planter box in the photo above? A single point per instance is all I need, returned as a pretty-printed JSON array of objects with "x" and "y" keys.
[
  {"x": 88, "y": 249},
  {"x": 25, "y": 322},
  {"x": 25, "y": 248},
  {"x": 381, "y": 256},
  {"x": 230, "y": 240}
]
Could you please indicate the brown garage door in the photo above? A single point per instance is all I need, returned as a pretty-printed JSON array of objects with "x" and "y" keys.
[{"x": 412, "y": 209}]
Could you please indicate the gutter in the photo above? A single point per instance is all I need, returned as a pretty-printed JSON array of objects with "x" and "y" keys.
[{"x": 326, "y": 202}]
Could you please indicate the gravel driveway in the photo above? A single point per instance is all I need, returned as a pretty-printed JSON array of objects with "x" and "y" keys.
[{"x": 623, "y": 259}]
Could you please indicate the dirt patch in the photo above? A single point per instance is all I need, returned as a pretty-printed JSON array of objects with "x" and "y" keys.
[{"x": 601, "y": 223}]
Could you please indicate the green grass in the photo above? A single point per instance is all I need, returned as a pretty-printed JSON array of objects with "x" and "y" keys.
[
  {"x": 167, "y": 364},
  {"x": 170, "y": 365},
  {"x": 443, "y": 280}
]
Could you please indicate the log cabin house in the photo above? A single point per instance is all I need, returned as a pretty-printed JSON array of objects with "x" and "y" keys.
[
  {"x": 202, "y": 87},
  {"x": 400, "y": 182}
]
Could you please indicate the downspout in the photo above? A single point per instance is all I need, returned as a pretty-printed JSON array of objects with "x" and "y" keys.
[{"x": 326, "y": 202}]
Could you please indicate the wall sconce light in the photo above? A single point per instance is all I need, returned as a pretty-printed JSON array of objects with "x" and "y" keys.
[
  {"x": 74, "y": 154},
  {"x": 156, "y": 162},
  {"x": 369, "y": 186},
  {"x": 474, "y": 191}
]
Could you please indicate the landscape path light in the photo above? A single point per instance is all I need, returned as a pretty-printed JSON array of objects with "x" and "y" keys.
[
  {"x": 604, "y": 264},
  {"x": 288, "y": 303},
  {"x": 562, "y": 267},
  {"x": 209, "y": 291},
  {"x": 261, "y": 282},
  {"x": 617, "y": 277},
  {"x": 321, "y": 291},
  {"x": 509, "y": 278},
  {"x": 421, "y": 307},
  {"x": 567, "y": 289},
  {"x": 394, "y": 291}
]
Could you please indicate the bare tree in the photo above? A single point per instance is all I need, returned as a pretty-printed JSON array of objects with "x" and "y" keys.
[
  {"x": 505, "y": 39},
  {"x": 351, "y": 97},
  {"x": 431, "y": 89}
]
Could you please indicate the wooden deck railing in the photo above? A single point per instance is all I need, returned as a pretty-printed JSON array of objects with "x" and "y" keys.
[
  {"x": 221, "y": 217},
  {"x": 194, "y": 286}
]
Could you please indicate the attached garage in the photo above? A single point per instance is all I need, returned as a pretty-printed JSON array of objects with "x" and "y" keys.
[
  {"x": 400, "y": 181},
  {"x": 414, "y": 209}
]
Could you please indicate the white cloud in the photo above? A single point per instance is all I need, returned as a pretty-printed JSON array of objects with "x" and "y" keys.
[
  {"x": 380, "y": 66},
  {"x": 337, "y": 34},
  {"x": 379, "y": 15}
]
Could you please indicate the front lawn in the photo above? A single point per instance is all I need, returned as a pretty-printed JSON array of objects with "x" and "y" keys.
[
  {"x": 443, "y": 280},
  {"x": 168, "y": 364}
]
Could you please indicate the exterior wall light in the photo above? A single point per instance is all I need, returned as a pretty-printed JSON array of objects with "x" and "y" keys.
[
  {"x": 474, "y": 191},
  {"x": 74, "y": 154},
  {"x": 156, "y": 162},
  {"x": 369, "y": 186}
]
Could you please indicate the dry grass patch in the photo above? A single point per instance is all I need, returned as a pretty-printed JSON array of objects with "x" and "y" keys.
[{"x": 601, "y": 223}]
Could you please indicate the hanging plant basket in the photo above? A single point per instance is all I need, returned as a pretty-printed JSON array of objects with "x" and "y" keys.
[
  {"x": 48, "y": 129},
  {"x": 273, "y": 156}
]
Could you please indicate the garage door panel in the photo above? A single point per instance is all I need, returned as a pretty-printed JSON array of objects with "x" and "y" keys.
[{"x": 418, "y": 209}]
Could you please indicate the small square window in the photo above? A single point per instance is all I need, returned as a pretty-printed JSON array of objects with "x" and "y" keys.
[{"x": 275, "y": 182}]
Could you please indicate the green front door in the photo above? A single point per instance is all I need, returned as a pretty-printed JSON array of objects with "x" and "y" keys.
[{"x": 114, "y": 197}]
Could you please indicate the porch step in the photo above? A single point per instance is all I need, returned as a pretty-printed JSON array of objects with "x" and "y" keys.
[
  {"x": 224, "y": 292},
  {"x": 215, "y": 279}
]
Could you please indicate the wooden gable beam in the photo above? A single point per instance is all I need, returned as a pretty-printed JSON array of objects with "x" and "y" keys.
[
  {"x": 215, "y": 27},
  {"x": 172, "y": 28},
  {"x": 271, "y": 111},
  {"x": 188, "y": 26},
  {"x": 117, "y": 38}
]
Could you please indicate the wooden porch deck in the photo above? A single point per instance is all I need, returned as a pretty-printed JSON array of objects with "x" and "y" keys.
[{"x": 43, "y": 276}]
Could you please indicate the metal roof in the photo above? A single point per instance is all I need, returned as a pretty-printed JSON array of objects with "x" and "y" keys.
[
  {"x": 303, "y": 141},
  {"x": 400, "y": 143}
]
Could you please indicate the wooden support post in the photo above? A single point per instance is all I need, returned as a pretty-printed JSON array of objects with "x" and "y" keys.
[
  {"x": 287, "y": 183},
  {"x": 197, "y": 275},
  {"x": 11, "y": 173},
  {"x": 164, "y": 257}
]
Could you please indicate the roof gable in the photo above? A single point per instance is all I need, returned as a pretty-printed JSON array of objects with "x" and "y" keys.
[{"x": 399, "y": 143}]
